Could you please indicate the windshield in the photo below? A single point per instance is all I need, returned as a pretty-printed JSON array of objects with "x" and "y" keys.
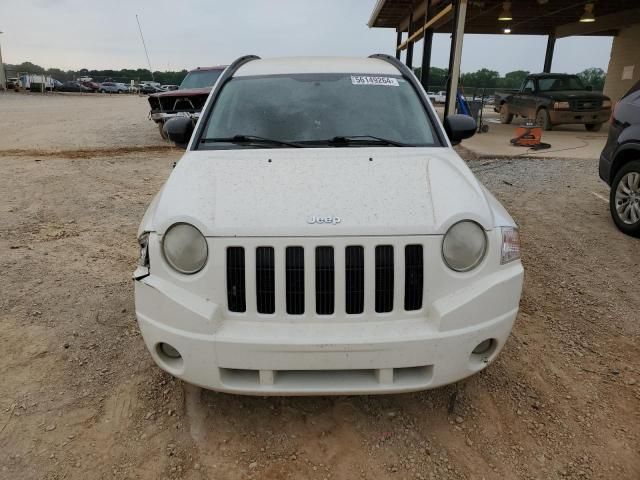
[
  {"x": 550, "y": 84},
  {"x": 315, "y": 108},
  {"x": 200, "y": 79}
]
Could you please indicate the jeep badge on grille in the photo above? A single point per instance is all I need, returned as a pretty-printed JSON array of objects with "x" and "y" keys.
[{"x": 317, "y": 219}]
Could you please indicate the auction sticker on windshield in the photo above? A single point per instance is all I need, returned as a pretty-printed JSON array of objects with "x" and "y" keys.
[{"x": 366, "y": 80}]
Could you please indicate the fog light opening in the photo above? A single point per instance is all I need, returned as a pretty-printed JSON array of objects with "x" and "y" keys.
[
  {"x": 168, "y": 351},
  {"x": 485, "y": 347}
]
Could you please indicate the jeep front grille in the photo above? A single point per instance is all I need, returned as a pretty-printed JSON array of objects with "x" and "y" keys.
[{"x": 334, "y": 280}]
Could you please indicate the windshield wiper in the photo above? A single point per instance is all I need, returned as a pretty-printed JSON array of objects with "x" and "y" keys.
[
  {"x": 358, "y": 139},
  {"x": 250, "y": 139}
]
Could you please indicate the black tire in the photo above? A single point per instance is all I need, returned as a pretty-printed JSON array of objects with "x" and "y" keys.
[
  {"x": 163, "y": 134},
  {"x": 593, "y": 127},
  {"x": 624, "y": 224},
  {"x": 543, "y": 120},
  {"x": 505, "y": 116}
]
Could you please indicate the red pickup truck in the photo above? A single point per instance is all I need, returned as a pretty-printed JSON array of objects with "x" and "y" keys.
[{"x": 188, "y": 99}]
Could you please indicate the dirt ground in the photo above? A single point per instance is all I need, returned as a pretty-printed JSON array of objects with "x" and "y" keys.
[{"x": 81, "y": 398}]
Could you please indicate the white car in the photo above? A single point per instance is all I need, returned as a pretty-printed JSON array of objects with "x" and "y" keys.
[
  {"x": 440, "y": 97},
  {"x": 321, "y": 236}
]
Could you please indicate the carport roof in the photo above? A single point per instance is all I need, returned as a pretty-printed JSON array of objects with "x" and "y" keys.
[{"x": 530, "y": 17}]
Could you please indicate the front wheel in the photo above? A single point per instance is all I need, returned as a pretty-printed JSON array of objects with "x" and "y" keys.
[
  {"x": 624, "y": 199},
  {"x": 163, "y": 134},
  {"x": 543, "y": 120},
  {"x": 505, "y": 116},
  {"x": 593, "y": 127}
]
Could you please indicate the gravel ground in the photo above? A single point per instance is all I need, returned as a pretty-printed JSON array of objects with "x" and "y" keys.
[{"x": 81, "y": 397}]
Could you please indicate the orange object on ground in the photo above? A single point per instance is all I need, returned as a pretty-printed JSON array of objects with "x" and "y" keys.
[{"x": 527, "y": 136}]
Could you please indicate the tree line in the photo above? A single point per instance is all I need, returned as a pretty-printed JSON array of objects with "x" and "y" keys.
[
  {"x": 483, "y": 78},
  {"x": 124, "y": 75}
]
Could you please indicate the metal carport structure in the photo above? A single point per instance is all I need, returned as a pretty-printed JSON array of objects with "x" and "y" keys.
[{"x": 416, "y": 20}]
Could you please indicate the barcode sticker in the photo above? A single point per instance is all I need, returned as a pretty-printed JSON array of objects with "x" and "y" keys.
[{"x": 366, "y": 80}]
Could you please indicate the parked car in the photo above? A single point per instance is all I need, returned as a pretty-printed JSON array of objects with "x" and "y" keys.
[
  {"x": 72, "y": 86},
  {"x": 187, "y": 100},
  {"x": 170, "y": 88},
  {"x": 620, "y": 163},
  {"x": 553, "y": 99},
  {"x": 12, "y": 83},
  {"x": 432, "y": 96},
  {"x": 440, "y": 97},
  {"x": 112, "y": 87},
  {"x": 150, "y": 89},
  {"x": 91, "y": 85},
  {"x": 266, "y": 269}
]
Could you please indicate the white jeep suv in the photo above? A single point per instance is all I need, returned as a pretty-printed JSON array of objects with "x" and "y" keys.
[{"x": 321, "y": 236}]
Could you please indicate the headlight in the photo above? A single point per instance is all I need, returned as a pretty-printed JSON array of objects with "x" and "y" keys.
[
  {"x": 561, "y": 105},
  {"x": 185, "y": 248},
  {"x": 143, "y": 241},
  {"x": 464, "y": 246},
  {"x": 510, "y": 250},
  {"x": 606, "y": 104}
]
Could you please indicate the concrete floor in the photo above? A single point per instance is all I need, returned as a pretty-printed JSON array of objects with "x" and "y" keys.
[{"x": 567, "y": 141}]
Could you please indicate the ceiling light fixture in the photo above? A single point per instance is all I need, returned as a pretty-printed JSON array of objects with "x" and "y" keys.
[
  {"x": 588, "y": 16},
  {"x": 505, "y": 14},
  {"x": 506, "y": 30}
]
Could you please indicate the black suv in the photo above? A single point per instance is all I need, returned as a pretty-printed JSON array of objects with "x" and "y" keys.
[{"x": 620, "y": 163}]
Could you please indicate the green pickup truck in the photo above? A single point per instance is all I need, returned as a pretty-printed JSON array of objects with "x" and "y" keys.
[{"x": 553, "y": 99}]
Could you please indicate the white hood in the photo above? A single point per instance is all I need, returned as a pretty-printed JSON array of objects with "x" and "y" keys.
[{"x": 365, "y": 191}]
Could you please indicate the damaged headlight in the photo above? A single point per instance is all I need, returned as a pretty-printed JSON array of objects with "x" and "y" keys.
[
  {"x": 143, "y": 258},
  {"x": 510, "y": 250},
  {"x": 185, "y": 248},
  {"x": 464, "y": 246}
]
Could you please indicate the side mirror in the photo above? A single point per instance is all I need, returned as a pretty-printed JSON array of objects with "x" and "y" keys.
[
  {"x": 589, "y": 88},
  {"x": 459, "y": 127},
  {"x": 179, "y": 130},
  {"x": 528, "y": 91}
]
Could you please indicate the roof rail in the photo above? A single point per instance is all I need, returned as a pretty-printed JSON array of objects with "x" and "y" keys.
[{"x": 393, "y": 61}]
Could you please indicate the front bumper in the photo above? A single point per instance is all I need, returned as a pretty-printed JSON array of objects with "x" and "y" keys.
[
  {"x": 563, "y": 116},
  {"x": 364, "y": 356},
  {"x": 161, "y": 117}
]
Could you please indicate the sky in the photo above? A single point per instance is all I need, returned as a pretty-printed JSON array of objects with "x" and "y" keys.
[{"x": 74, "y": 34}]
